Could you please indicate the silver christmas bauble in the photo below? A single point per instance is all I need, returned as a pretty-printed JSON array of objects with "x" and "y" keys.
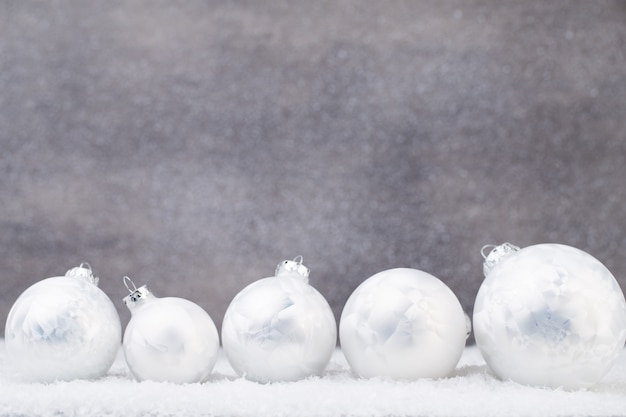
[
  {"x": 549, "y": 315},
  {"x": 403, "y": 323},
  {"x": 63, "y": 328},
  {"x": 279, "y": 328},
  {"x": 168, "y": 339}
]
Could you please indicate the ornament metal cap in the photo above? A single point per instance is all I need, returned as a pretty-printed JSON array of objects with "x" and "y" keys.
[
  {"x": 496, "y": 255},
  {"x": 84, "y": 273},
  {"x": 137, "y": 295},
  {"x": 293, "y": 268}
]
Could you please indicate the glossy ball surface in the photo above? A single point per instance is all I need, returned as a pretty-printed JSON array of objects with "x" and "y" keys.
[
  {"x": 402, "y": 323},
  {"x": 550, "y": 315},
  {"x": 170, "y": 339},
  {"x": 62, "y": 328},
  {"x": 279, "y": 329}
]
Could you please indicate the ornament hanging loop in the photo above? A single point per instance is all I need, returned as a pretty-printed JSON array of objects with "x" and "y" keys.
[
  {"x": 126, "y": 282},
  {"x": 485, "y": 247},
  {"x": 85, "y": 265}
]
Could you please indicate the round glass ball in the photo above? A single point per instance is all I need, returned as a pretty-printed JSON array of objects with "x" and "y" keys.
[
  {"x": 279, "y": 329},
  {"x": 170, "y": 339},
  {"x": 550, "y": 315},
  {"x": 62, "y": 328},
  {"x": 403, "y": 323}
]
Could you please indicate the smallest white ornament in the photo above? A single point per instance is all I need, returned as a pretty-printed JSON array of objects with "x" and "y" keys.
[
  {"x": 403, "y": 323},
  {"x": 168, "y": 339},
  {"x": 279, "y": 328}
]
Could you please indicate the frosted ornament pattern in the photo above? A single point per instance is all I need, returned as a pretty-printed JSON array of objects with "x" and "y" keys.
[
  {"x": 550, "y": 315},
  {"x": 279, "y": 328},
  {"x": 62, "y": 328},
  {"x": 169, "y": 339},
  {"x": 403, "y": 323}
]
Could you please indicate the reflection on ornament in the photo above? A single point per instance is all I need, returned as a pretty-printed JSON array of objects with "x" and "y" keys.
[
  {"x": 403, "y": 323},
  {"x": 279, "y": 328},
  {"x": 549, "y": 315},
  {"x": 168, "y": 339},
  {"x": 63, "y": 328}
]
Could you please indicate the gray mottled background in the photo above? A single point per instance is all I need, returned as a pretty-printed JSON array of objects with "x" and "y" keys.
[{"x": 193, "y": 145}]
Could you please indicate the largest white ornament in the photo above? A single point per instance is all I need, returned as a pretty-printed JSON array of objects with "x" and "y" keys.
[
  {"x": 403, "y": 323},
  {"x": 63, "y": 328},
  {"x": 549, "y": 315},
  {"x": 279, "y": 328}
]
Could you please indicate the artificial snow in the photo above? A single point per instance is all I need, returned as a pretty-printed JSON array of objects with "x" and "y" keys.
[{"x": 471, "y": 391}]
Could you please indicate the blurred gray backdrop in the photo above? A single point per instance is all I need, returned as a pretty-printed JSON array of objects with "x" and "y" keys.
[{"x": 193, "y": 145}]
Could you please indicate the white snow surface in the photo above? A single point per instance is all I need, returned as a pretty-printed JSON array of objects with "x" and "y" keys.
[{"x": 471, "y": 391}]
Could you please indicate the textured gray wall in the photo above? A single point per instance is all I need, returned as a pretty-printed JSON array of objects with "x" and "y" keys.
[{"x": 193, "y": 145}]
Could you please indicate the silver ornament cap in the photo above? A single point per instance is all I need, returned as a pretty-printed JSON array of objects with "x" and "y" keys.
[
  {"x": 497, "y": 254},
  {"x": 137, "y": 295},
  {"x": 84, "y": 273},
  {"x": 293, "y": 268}
]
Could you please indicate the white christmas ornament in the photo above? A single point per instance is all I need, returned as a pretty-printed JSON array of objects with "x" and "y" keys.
[
  {"x": 549, "y": 315},
  {"x": 403, "y": 323},
  {"x": 63, "y": 328},
  {"x": 168, "y": 339},
  {"x": 279, "y": 328}
]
